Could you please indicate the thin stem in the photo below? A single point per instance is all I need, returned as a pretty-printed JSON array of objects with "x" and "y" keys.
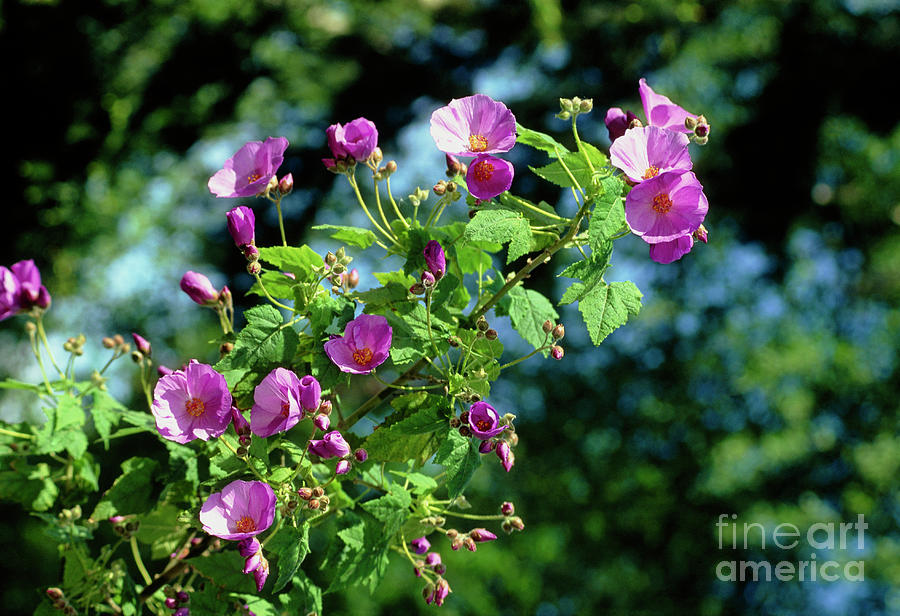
[
  {"x": 280, "y": 220},
  {"x": 43, "y": 335},
  {"x": 244, "y": 458},
  {"x": 431, "y": 217},
  {"x": 40, "y": 361},
  {"x": 400, "y": 216},
  {"x": 404, "y": 387},
  {"x": 382, "y": 395},
  {"x": 468, "y": 516},
  {"x": 352, "y": 179},
  {"x": 30, "y": 437},
  {"x": 538, "y": 210},
  {"x": 575, "y": 183},
  {"x": 140, "y": 563},
  {"x": 578, "y": 143},
  {"x": 384, "y": 219},
  {"x": 269, "y": 296},
  {"x": 521, "y": 359}
]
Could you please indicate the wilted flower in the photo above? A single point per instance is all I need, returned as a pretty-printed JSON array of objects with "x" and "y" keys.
[
  {"x": 255, "y": 562},
  {"x": 435, "y": 259},
  {"x": 420, "y": 545},
  {"x": 250, "y": 170},
  {"x": 484, "y": 421},
  {"x": 666, "y": 207},
  {"x": 644, "y": 153},
  {"x": 192, "y": 403},
  {"x": 276, "y": 403},
  {"x": 365, "y": 345},
  {"x": 241, "y": 225},
  {"x": 241, "y": 510},
  {"x": 356, "y": 139},
  {"x": 199, "y": 288},
  {"x": 332, "y": 445},
  {"x": 489, "y": 176},
  {"x": 474, "y": 125}
]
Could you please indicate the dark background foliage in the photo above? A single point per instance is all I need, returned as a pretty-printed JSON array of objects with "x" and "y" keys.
[{"x": 760, "y": 378}]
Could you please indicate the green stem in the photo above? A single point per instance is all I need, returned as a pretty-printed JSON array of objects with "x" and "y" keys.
[
  {"x": 384, "y": 219},
  {"x": 416, "y": 388},
  {"x": 437, "y": 354},
  {"x": 521, "y": 359},
  {"x": 16, "y": 434},
  {"x": 274, "y": 531},
  {"x": 244, "y": 458},
  {"x": 43, "y": 335},
  {"x": 40, "y": 361},
  {"x": 538, "y": 210},
  {"x": 280, "y": 220},
  {"x": 269, "y": 296},
  {"x": 140, "y": 563},
  {"x": 468, "y": 516},
  {"x": 352, "y": 179},
  {"x": 380, "y": 396},
  {"x": 578, "y": 143},
  {"x": 400, "y": 216}
]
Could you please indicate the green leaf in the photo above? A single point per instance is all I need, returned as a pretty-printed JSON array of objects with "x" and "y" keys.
[
  {"x": 289, "y": 546},
  {"x": 528, "y": 310},
  {"x": 387, "y": 445},
  {"x": 304, "y": 597},
  {"x": 29, "y": 486},
  {"x": 355, "y": 236},
  {"x": 257, "y": 605},
  {"x": 607, "y": 307},
  {"x": 364, "y": 557},
  {"x": 329, "y": 314},
  {"x": 262, "y": 344},
  {"x": 590, "y": 271},
  {"x": 501, "y": 226},
  {"x": 608, "y": 217},
  {"x": 519, "y": 204},
  {"x": 225, "y": 570},
  {"x": 421, "y": 484},
  {"x": 597, "y": 158},
  {"x": 161, "y": 530},
  {"x": 540, "y": 141},
  {"x": 277, "y": 284},
  {"x": 471, "y": 259},
  {"x": 9, "y": 383},
  {"x": 106, "y": 412},
  {"x": 131, "y": 491},
  {"x": 411, "y": 339},
  {"x": 391, "y": 510},
  {"x": 460, "y": 458},
  {"x": 556, "y": 173},
  {"x": 63, "y": 428},
  {"x": 298, "y": 260}
]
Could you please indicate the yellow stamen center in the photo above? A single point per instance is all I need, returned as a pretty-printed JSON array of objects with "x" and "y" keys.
[
  {"x": 362, "y": 356},
  {"x": 194, "y": 407},
  {"x": 483, "y": 424},
  {"x": 245, "y": 525},
  {"x": 285, "y": 409},
  {"x": 662, "y": 203},
  {"x": 478, "y": 143},
  {"x": 253, "y": 177},
  {"x": 651, "y": 172},
  {"x": 483, "y": 171}
]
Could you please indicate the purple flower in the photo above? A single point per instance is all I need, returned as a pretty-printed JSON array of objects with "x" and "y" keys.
[
  {"x": 192, "y": 403},
  {"x": 474, "y": 125},
  {"x": 199, "y": 288},
  {"x": 420, "y": 545},
  {"x": 342, "y": 467},
  {"x": 141, "y": 343},
  {"x": 618, "y": 121},
  {"x": 489, "y": 176},
  {"x": 322, "y": 422},
  {"x": 481, "y": 535},
  {"x": 361, "y": 455},
  {"x": 241, "y": 510},
  {"x": 241, "y": 425},
  {"x": 507, "y": 459},
  {"x": 432, "y": 559},
  {"x": 507, "y": 508},
  {"x": 9, "y": 291},
  {"x": 241, "y": 221},
  {"x": 666, "y": 207},
  {"x": 486, "y": 446},
  {"x": 441, "y": 592},
  {"x": 484, "y": 421},
  {"x": 21, "y": 289},
  {"x": 435, "y": 259},
  {"x": 182, "y": 611},
  {"x": 666, "y": 252},
  {"x": 250, "y": 170},
  {"x": 256, "y": 563},
  {"x": 310, "y": 393},
  {"x": 276, "y": 403},
  {"x": 332, "y": 445},
  {"x": 261, "y": 574},
  {"x": 645, "y": 152},
  {"x": 356, "y": 139},
  {"x": 365, "y": 345},
  {"x": 662, "y": 112}
]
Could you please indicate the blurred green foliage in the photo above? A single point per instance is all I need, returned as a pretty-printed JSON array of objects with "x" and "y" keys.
[{"x": 760, "y": 378}]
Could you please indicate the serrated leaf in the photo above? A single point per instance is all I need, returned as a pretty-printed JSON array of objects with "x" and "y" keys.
[
  {"x": 607, "y": 307},
  {"x": 528, "y": 310},
  {"x": 590, "y": 271},
  {"x": 224, "y": 569},
  {"x": 411, "y": 339},
  {"x": 106, "y": 412},
  {"x": 63, "y": 428},
  {"x": 556, "y": 173},
  {"x": 131, "y": 491},
  {"x": 502, "y": 226},
  {"x": 290, "y": 546},
  {"x": 459, "y": 458},
  {"x": 597, "y": 158},
  {"x": 391, "y": 510},
  {"x": 304, "y": 597},
  {"x": 421, "y": 484},
  {"x": 161, "y": 530},
  {"x": 354, "y": 236},
  {"x": 298, "y": 260},
  {"x": 257, "y": 605},
  {"x": 262, "y": 344},
  {"x": 329, "y": 314},
  {"x": 608, "y": 217},
  {"x": 539, "y": 140},
  {"x": 30, "y": 486},
  {"x": 277, "y": 285}
]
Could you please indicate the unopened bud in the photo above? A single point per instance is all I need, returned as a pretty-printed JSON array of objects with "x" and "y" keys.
[
  {"x": 119, "y": 340},
  {"x": 482, "y": 323},
  {"x": 507, "y": 508},
  {"x": 322, "y": 422},
  {"x": 54, "y": 593},
  {"x": 491, "y": 334},
  {"x": 272, "y": 185},
  {"x": 241, "y": 451},
  {"x": 342, "y": 467},
  {"x": 559, "y": 331},
  {"x": 338, "y": 268},
  {"x": 377, "y": 155},
  {"x": 470, "y": 544},
  {"x": 454, "y": 166},
  {"x": 391, "y": 166},
  {"x": 454, "y": 422},
  {"x": 325, "y": 407},
  {"x": 305, "y": 493},
  {"x": 244, "y": 439},
  {"x": 318, "y": 491},
  {"x": 361, "y": 455},
  {"x": 452, "y": 533},
  {"x": 564, "y": 115},
  {"x": 566, "y": 104},
  {"x": 465, "y": 431},
  {"x": 226, "y": 347},
  {"x": 286, "y": 184},
  {"x": 314, "y": 503},
  {"x": 517, "y": 523},
  {"x": 330, "y": 258},
  {"x": 353, "y": 278},
  {"x": 635, "y": 123},
  {"x": 701, "y": 234},
  {"x": 251, "y": 253},
  {"x": 137, "y": 357},
  {"x": 108, "y": 342},
  {"x": 464, "y": 416},
  {"x": 507, "y": 527},
  {"x": 547, "y": 326},
  {"x": 428, "y": 280},
  {"x": 586, "y": 105},
  {"x": 486, "y": 446},
  {"x": 440, "y": 188},
  {"x": 690, "y": 123},
  {"x": 417, "y": 289},
  {"x": 453, "y": 341},
  {"x": 556, "y": 352}
]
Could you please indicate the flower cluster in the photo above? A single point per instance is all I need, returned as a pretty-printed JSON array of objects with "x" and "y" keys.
[
  {"x": 21, "y": 289},
  {"x": 666, "y": 206},
  {"x": 477, "y": 126}
]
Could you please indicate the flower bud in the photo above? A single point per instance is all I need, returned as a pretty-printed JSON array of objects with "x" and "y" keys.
[
  {"x": 556, "y": 352},
  {"x": 244, "y": 439},
  {"x": 441, "y": 592},
  {"x": 286, "y": 184},
  {"x": 199, "y": 289},
  {"x": 464, "y": 417},
  {"x": 241, "y": 451},
  {"x": 318, "y": 491},
  {"x": 701, "y": 234},
  {"x": 330, "y": 258},
  {"x": 465, "y": 431},
  {"x": 506, "y": 455},
  {"x": 119, "y": 340},
  {"x": 377, "y": 155},
  {"x": 586, "y": 105},
  {"x": 435, "y": 259},
  {"x": 325, "y": 501},
  {"x": 417, "y": 289},
  {"x": 690, "y": 123},
  {"x": 454, "y": 422},
  {"x": 251, "y": 252},
  {"x": 241, "y": 425},
  {"x": 566, "y": 104},
  {"x": 142, "y": 345},
  {"x": 314, "y": 503},
  {"x": 325, "y": 407},
  {"x": 171, "y": 603},
  {"x": 470, "y": 544},
  {"x": 108, "y": 342},
  {"x": 420, "y": 545},
  {"x": 322, "y": 422},
  {"x": 456, "y": 543},
  {"x": 482, "y": 323},
  {"x": 305, "y": 493},
  {"x": 428, "y": 280},
  {"x": 491, "y": 334},
  {"x": 558, "y": 332},
  {"x": 440, "y": 188},
  {"x": 310, "y": 394},
  {"x": 481, "y": 535},
  {"x": 453, "y": 341},
  {"x": 241, "y": 223},
  {"x": 353, "y": 278},
  {"x": 137, "y": 357},
  {"x": 54, "y": 593},
  {"x": 342, "y": 468},
  {"x": 486, "y": 447},
  {"x": 226, "y": 347},
  {"x": 564, "y": 115},
  {"x": 454, "y": 166},
  {"x": 390, "y": 166},
  {"x": 361, "y": 455},
  {"x": 507, "y": 508},
  {"x": 547, "y": 326},
  {"x": 517, "y": 523},
  {"x": 183, "y": 597}
]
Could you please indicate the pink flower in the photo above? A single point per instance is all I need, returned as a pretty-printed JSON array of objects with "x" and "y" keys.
[
  {"x": 489, "y": 176},
  {"x": 618, "y": 121},
  {"x": 420, "y": 545},
  {"x": 21, "y": 289},
  {"x": 249, "y": 171},
  {"x": 484, "y": 422},
  {"x": 310, "y": 393},
  {"x": 507, "y": 459},
  {"x": 356, "y": 139},
  {"x": 474, "y": 125},
  {"x": 666, "y": 207},
  {"x": 480, "y": 535},
  {"x": 666, "y": 252},
  {"x": 435, "y": 259},
  {"x": 645, "y": 152},
  {"x": 199, "y": 288},
  {"x": 241, "y": 510},
  {"x": 662, "y": 112},
  {"x": 332, "y": 445},
  {"x": 365, "y": 345},
  {"x": 142, "y": 344},
  {"x": 192, "y": 403},
  {"x": 276, "y": 403},
  {"x": 241, "y": 222},
  {"x": 241, "y": 425},
  {"x": 255, "y": 562}
]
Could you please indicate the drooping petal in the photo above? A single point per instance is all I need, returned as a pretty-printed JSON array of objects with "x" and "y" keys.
[{"x": 667, "y": 252}]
